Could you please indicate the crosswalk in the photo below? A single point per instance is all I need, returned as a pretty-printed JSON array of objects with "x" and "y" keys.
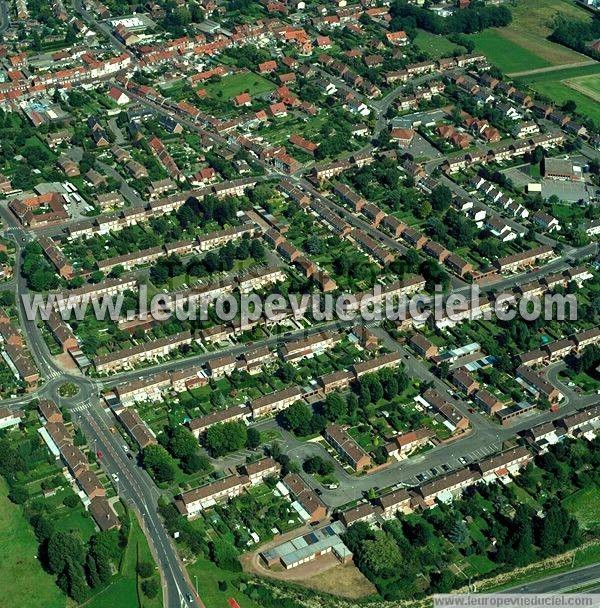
[{"x": 82, "y": 407}]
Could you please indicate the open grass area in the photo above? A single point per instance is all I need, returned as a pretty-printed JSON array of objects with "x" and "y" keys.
[
  {"x": 23, "y": 582},
  {"x": 557, "y": 86},
  {"x": 122, "y": 591},
  {"x": 585, "y": 506},
  {"x": 208, "y": 585},
  {"x": 233, "y": 85},
  {"x": 435, "y": 46},
  {"x": 523, "y": 45}
]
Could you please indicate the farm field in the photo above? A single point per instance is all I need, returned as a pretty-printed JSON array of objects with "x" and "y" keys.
[
  {"x": 588, "y": 85},
  {"x": 18, "y": 562},
  {"x": 555, "y": 86},
  {"x": 523, "y": 45}
]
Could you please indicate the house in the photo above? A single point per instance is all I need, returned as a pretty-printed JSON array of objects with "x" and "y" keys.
[
  {"x": 464, "y": 382},
  {"x": 103, "y": 514},
  {"x": 257, "y": 471},
  {"x": 545, "y": 221},
  {"x": 347, "y": 447},
  {"x": 524, "y": 259},
  {"x": 10, "y": 418},
  {"x": 399, "y": 38},
  {"x": 243, "y": 99},
  {"x": 221, "y": 366},
  {"x": 314, "y": 508},
  {"x": 396, "y": 502},
  {"x": 362, "y": 512},
  {"x": 406, "y": 442},
  {"x": 435, "y": 250},
  {"x": 422, "y": 346},
  {"x": 118, "y": 96},
  {"x": 489, "y": 403}
]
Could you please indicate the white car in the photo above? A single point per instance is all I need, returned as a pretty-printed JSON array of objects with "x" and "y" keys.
[{"x": 115, "y": 477}]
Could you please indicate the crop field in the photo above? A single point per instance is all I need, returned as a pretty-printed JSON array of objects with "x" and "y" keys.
[
  {"x": 582, "y": 85},
  {"x": 523, "y": 45}
]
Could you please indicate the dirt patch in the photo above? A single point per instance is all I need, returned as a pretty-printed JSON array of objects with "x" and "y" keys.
[{"x": 342, "y": 580}]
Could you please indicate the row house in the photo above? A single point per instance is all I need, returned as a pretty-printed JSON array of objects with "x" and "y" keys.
[
  {"x": 213, "y": 240},
  {"x": 148, "y": 351},
  {"x": 308, "y": 347},
  {"x": 136, "y": 428},
  {"x": 107, "y": 288},
  {"x": 463, "y": 381},
  {"x": 577, "y": 423},
  {"x": 524, "y": 259},
  {"x": 364, "y": 512},
  {"x": 334, "y": 381},
  {"x": 257, "y": 471},
  {"x": 422, "y": 346},
  {"x": 376, "y": 364},
  {"x": 447, "y": 487},
  {"x": 191, "y": 504},
  {"x": 447, "y": 411},
  {"x": 407, "y": 442},
  {"x": 488, "y": 402},
  {"x": 200, "y": 425},
  {"x": 305, "y": 496},
  {"x": 508, "y": 462},
  {"x": 396, "y": 502},
  {"x": 538, "y": 385},
  {"x": 221, "y": 366},
  {"x": 275, "y": 402},
  {"x": 347, "y": 448},
  {"x": 149, "y": 389}
]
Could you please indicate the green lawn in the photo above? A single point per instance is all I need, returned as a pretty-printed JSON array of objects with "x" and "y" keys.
[
  {"x": 435, "y": 46},
  {"x": 233, "y": 85},
  {"x": 208, "y": 585},
  {"x": 20, "y": 571},
  {"x": 585, "y": 506}
]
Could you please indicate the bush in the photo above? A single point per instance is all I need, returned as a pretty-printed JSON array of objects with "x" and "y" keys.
[
  {"x": 150, "y": 587},
  {"x": 18, "y": 495},
  {"x": 145, "y": 569},
  {"x": 71, "y": 501}
]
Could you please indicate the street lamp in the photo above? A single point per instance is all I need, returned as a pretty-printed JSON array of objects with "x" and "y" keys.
[{"x": 196, "y": 579}]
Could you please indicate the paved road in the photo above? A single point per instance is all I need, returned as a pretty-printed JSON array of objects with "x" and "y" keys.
[{"x": 557, "y": 583}]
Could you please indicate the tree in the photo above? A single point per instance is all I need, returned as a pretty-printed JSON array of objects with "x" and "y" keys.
[
  {"x": 63, "y": 548},
  {"x": 381, "y": 556},
  {"x": 195, "y": 463},
  {"x": 182, "y": 443},
  {"x": 220, "y": 439},
  {"x": 224, "y": 555},
  {"x": 441, "y": 198},
  {"x": 334, "y": 407},
  {"x": 253, "y": 438},
  {"x": 297, "y": 418},
  {"x": 18, "y": 495},
  {"x": 150, "y": 587},
  {"x": 157, "y": 461}
]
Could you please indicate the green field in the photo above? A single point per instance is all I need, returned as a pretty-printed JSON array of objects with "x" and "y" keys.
[
  {"x": 555, "y": 86},
  {"x": 507, "y": 57},
  {"x": 18, "y": 563},
  {"x": 435, "y": 46},
  {"x": 523, "y": 45},
  {"x": 233, "y": 85},
  {"x": 586, "y": 85},
  {"x": 585, "y": 506}
]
